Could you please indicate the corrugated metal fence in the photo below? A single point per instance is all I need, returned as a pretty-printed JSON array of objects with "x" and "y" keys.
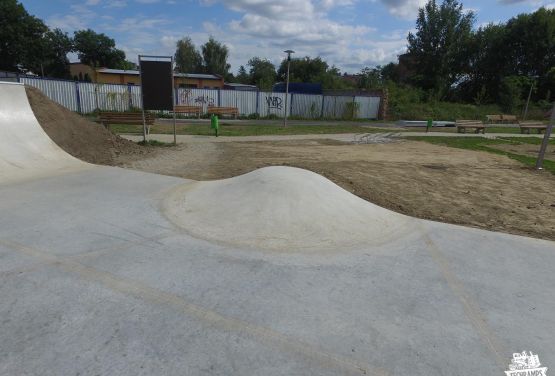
[{"x": 86, "y": 97}]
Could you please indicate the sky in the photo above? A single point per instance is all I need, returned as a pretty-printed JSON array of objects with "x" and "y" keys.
[{"x": 350, "y": 34}]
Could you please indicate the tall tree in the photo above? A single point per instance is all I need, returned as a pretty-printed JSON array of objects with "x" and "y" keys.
[
  {"x": 98, "y": 50},
  {"x": 262, "y": 73},
  {"x": 54, "y": 61},
  {"x": 187, "y": 57},
  {"x": 21, "y": 36},
  {"x": 215, "y": 56},
  {"x": 242, "y": 76},
  {"x": 441, "y": 44},
  {"x": 303, "y": 70}
]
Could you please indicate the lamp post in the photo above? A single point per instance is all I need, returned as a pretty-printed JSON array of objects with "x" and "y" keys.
[
  {"x": 288, "y": 52},
  {"x": 534, "y": 78}
]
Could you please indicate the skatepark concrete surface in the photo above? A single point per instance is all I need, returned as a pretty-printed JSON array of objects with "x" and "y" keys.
[{"x": 101, "y": 275}]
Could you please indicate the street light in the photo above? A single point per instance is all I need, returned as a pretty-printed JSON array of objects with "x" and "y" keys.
[
  {"x": 534, "y": 78},
  {"x": 288, "y": 52}
]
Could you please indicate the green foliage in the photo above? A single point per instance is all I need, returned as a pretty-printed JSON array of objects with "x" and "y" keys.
[
  {"x": 187, "y": 57},
  {"x": 242, "y": 76},
  {"x": 21, "y": 35},
  {"x": 440, "y": 45},
  {"x": 98, "y": 50},
  {"x": 262, "y": 73},
  {"x": 351, "y": 111},
  {"x": 512, "y": 90},
  {"x": 215, "y": 55},
  {"x": 51, "y": 55}
]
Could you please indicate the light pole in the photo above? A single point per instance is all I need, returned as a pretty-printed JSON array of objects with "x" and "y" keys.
[
  {"x": 534, "y": 78},
  {"x": 288, "y": 52}
]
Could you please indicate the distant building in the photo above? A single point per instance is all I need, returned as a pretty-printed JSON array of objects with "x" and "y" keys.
[
  {"x": 240, "y": 87},
  {"x": 83, "y": 72}
]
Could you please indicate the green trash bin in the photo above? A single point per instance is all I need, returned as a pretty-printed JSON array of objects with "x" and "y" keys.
[{"x": 215, "y": 124}]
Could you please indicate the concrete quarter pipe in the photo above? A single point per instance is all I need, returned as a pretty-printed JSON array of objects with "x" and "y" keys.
[{"x": 105, "y": 271}]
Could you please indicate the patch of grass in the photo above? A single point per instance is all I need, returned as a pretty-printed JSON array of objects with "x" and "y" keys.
[
  {"x": 245, "y": 130},
  {"x": 155, "y": 143},
  {"x": 484, "y": 144}
]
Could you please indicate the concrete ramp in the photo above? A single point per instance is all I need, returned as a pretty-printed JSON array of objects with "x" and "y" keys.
[
  {"x": 26, "y": 151},
  {"x": 285, "y": 209}
]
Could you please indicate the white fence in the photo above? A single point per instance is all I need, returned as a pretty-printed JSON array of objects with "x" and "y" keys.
[{"x": 86, "y": 97}]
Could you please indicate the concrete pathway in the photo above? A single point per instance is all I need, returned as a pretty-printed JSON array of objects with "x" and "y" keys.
[{"x": 346, "y": 137}]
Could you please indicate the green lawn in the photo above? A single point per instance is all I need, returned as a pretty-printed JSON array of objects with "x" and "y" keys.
[
  {"x": 488, "y": 145},
  {"x": 245, "y": 130}
]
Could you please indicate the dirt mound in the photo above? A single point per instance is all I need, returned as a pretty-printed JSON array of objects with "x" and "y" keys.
[{"x": 83, "y": 139}]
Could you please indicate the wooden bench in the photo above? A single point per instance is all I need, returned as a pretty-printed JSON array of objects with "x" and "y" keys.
[
  {"x": 509, "y": 118},
  {"x": 463, "y": 125},
  {"x": 184, "y": 109},
  {"x": 494, "y": 118},
  {"x": 107, "y": 118},
  {"x": 223, "y": 111},
  {"x": 527, "y": 126}
]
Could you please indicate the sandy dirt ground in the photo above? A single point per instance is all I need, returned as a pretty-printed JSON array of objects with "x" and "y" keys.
[{"x": 415, "y": 178}]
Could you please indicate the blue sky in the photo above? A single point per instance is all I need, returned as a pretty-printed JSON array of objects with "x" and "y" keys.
[{"x": 350, "y": 34}]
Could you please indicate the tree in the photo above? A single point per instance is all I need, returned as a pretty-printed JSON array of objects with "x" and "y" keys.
[
  {"x": 371, "y": 78},
  {"x": 242, "y": 76},
  {"x": 187, "y": 58},
  {"x": 262, "y": 73},
  {"x": 21, "y": 36},
  {"x": 53, "y": 58},
  {"x": 214, "y": 55},
  {"x": 440, "y": 47},
  {"x": 98, "y": 50},
  {"x": 303, "y": 70}
]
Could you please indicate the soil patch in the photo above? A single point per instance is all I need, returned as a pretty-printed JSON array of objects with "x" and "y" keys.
[
  {"x": 78, "y": 136},
  {"x": 428, "y": 181}
]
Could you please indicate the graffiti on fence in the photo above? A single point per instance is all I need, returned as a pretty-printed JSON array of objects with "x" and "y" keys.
[
  {"x": 184, "y": 96},
  {"x": 204, "y": 99},
  {"x": 274, "y": 102}
]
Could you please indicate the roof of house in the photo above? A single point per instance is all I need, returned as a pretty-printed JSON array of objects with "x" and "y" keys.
[{"x": 136, "y": 73}]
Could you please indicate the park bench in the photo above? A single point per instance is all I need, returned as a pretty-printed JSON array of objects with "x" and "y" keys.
[
  {"x": 223, "y": 111},
  {"x": 107, "y": 118},
  {"x": 463, "y": 125},
  {"x": 527, "y": 126},
  {"x": 494, "y": 118},
  {"x": 183, "y": 109},
  {"x": 509, "y": 118}
]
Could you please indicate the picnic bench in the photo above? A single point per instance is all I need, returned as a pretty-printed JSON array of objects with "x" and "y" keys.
[
  {"x": 107, "y": 118},
  {"x": 183, "y": 109},
  {"x": 494, "y": 118},
  {"x": 527, "y": 126},
  {"x": 509, "y": 118},
  {"x": 501, "y": 118},
  {"x": 463, "y": 125},
  {"x": 223, "y": 111}
]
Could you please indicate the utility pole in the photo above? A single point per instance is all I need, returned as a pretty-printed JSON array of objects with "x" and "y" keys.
[
  {"x": 534, "y": 78},
  {"x": 288, "y": 52},
  {"x": 545, "y": 142}
]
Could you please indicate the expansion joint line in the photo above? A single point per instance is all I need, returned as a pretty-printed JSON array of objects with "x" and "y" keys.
[{"x": 155, "y": 296}]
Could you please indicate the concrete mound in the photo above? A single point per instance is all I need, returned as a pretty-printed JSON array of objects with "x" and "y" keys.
[{"x": 282, "y": 208}]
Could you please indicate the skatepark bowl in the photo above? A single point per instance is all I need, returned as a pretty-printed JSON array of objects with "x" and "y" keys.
[{"x": 107, "y": 271}]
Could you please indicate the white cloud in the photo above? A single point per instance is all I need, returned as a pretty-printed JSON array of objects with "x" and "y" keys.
[
  {"x": 266, "y": 27},
  {"x": 407, "y": 9}
]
